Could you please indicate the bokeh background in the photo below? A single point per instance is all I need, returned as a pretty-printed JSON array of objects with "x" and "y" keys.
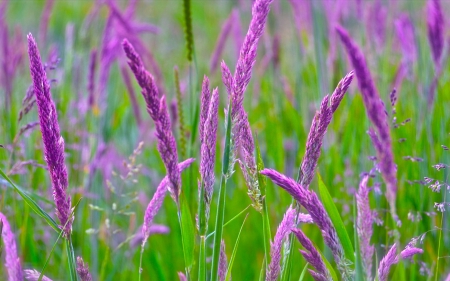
[{"x": 300, "y": 60}]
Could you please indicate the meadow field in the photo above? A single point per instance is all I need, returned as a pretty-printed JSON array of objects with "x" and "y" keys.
[{"x": 213, "y": 140}]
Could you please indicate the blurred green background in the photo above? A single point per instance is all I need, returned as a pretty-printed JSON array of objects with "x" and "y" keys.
[{"x": 294, "y": 70}]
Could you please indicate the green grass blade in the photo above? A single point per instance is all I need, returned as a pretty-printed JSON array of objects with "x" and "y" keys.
[
  {"x": 181, "y": 125},
  {"x": 33, "y": 205},
  {"x": 56, "y": 242},
  {"x": 187, "y": 232},
  {"x": 302, "y": 275},
  {"x": 233, "y": 255},
  {"x": 71, "y": 260},
  {"x": 218, "y": 229},
  {"x": 336, "y": 219},
  {"x": 231, "y": 220}
]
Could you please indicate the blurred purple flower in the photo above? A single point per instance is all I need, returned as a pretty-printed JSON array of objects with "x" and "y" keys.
[
  {"x": 404, "y": 29},
  {"x": 91, "y": 78},
  {"x": 12, "y": 261},
  {"x": 33, "y": 275},
  {"x": 392, "y": 258},
  {"x": 435, "y": 23},
  {"x": 51, "y": 136},
  {"x": 220, "y": 45},
  {"x": 364, "y": 226},
  {"x": 223, "y": 264},
  {"x": 377, "y": 114},
  {"x": 83, "y": 270}
]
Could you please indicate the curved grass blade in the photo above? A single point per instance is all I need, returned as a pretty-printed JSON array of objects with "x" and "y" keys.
[
  {"x": 233, "y": 255},
  {"x": 33, "y": 205},
  {"x": 231, "y": 220},
  {"x": 71, "y": 260},
  {"x": 187, "y": 232},
  {"x": 336, "y": 219},
  {"x": 56, "y": 242},
  {"x": 302, "y": 275}
]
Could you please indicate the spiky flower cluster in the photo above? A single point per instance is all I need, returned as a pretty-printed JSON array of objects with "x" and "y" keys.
[
  {"x": 318, "y": 129},
  {"x": 236, "y": 86},
  {"x": 208, "y": 135},
  {"x": 312, "y": 256},
  {"x": 283, "y": 231},
  {"x": 51, "y": 136},
  {"x": 309, "y": 200}
]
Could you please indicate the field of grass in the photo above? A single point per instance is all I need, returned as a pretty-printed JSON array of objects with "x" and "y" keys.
[{"x": 114, "y": 165}]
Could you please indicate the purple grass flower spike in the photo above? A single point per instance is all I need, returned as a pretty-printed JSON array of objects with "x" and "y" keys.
[
  {"x": 283, "y": 230},
  {"x": 204, "y": 106},
  {"x": 392, "y": 258},
  {"x": 376, "y": 112},
  {"x": 158, "y": 199},
  {"x": 220, "y": 45},
  {"x": 83, "y": 270},
  {"x": 157, "y": 109},
  {"x": 248, "y": 164},
  {"x": 309, "y": 200},
  {"x": 223, "y": 264},
  {"x": 435, "y": 23},
  {"x": 409, "y": 252},
  {"x": 33, "y": 275},
  {"x": 181, "y": 276},
  {"x": 51, "y": 136},
  {"x": 91, "y": 78},
  {"x": 247, "y": 57},
  {"x": 12, "y": 261},
  {"x": 364, "y": 226},
  {"x": 304, "y": 218},
  {"x": 208, "y": 148},
  {"x": 227, "y": 78},
  {"x": 313, "y": 257},
  {"x": 385, "y": 264},
  {"x": 318, "y": 129},
  {"x": 404, "y": 29},
  {"x": 238, "y": 84}
]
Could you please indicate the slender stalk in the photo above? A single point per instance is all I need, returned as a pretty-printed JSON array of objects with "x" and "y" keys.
[
  {"x": 286, "y": 270},
  {"x": 266, "y": 232},
  {"x": 219, "y": 228},
  {"x": 71, "y": 259},
  {"x": 202, "y": 230},
  {"x": 440, "y": 238},
  {"x": 140, "y": 261},
  {"x": 182, "y": 240},
  {"x": 202, "y": 259},
  {"x": 221, "y": 200}
]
